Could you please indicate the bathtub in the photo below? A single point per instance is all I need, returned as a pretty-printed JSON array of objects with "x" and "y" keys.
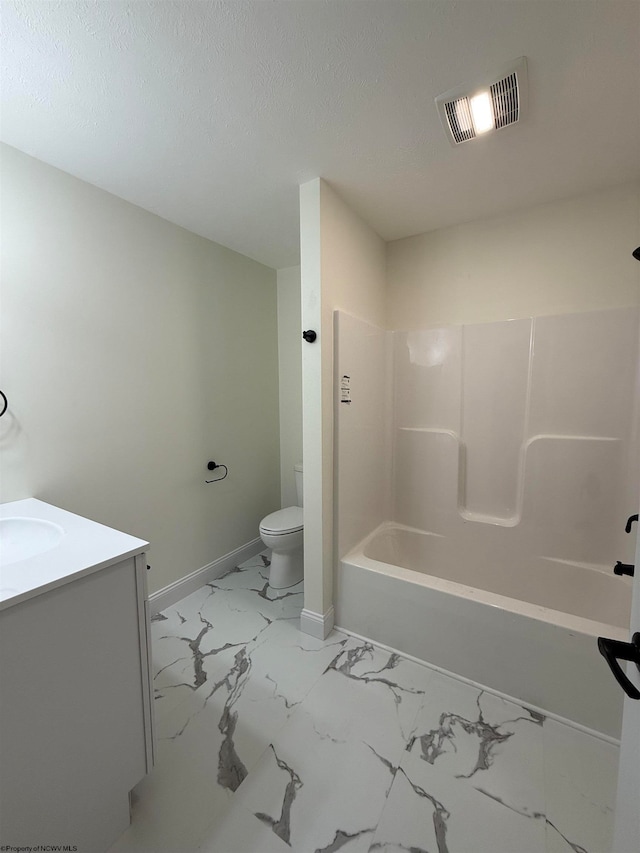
[{"x": 523, "y": 627}]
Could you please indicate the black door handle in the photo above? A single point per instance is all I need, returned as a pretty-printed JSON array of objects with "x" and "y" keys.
[
  {"x": 615, "y": 650},
  {"x": 309, "y": 336}
]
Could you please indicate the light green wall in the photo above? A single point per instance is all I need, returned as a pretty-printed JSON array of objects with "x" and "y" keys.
[
  {"x": 290, "y": 361},
  {"x": 133, "y": 352}
]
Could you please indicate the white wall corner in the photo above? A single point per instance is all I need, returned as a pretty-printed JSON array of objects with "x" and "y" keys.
[
  {"x": 316, "y": 624},
  {"x": 314, "y": 427},
  {"x": 290, "y": 380},
  {"x": 179, "y": 589}
]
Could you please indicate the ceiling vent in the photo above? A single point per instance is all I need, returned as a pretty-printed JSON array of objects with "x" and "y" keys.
[{"x": 467, "y": 112}]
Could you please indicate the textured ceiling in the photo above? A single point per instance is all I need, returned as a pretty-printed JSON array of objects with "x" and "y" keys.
[{"x": 211, "y": 113}]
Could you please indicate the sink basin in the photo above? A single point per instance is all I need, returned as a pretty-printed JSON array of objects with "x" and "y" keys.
[{"x": 21, "y": 538}]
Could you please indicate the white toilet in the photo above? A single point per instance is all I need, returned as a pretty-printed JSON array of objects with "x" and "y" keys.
[{"x": 283, "y": 532}]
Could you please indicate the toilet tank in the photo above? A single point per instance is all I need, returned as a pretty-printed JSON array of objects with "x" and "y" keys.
[{"x": 298, "y": 475}]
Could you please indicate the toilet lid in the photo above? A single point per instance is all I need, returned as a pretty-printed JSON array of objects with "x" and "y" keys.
[{"x": 283, "y": 521}]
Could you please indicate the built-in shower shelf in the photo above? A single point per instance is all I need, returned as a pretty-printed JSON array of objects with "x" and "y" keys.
[
  {"x": 481, "y": 518},
  {"x": 439, "y": 430},
  {"x": 529, "y": 441}
]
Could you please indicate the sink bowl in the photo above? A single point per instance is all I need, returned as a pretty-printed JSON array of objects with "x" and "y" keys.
[{"x": 21, "y": 538}]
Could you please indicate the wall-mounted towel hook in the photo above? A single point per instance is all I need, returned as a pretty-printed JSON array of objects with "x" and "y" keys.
[{"x": 4, "y": 403}]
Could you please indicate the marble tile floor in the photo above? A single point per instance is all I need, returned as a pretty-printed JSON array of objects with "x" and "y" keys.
[{"x": 271, "y": 741}]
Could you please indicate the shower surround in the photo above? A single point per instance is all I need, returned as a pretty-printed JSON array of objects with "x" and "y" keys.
[{"x": 492, "y": 464}]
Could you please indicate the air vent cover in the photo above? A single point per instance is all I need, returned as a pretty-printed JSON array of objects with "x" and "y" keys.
[{"x": 505, "y": 91}]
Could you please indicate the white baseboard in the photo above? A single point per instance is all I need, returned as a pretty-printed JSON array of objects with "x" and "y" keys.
[
  {"x": 316, "y": 624},
  {"x": 185, "y": 586}
]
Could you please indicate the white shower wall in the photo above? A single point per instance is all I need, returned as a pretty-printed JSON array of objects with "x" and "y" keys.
[{"x": 519, "y": 437}]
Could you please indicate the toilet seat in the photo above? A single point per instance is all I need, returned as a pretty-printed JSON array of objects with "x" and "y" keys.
[{"x": 288, "y": 520}]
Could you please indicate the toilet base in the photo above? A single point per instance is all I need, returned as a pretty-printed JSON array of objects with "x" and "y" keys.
[{"x": 287, "y": 569}]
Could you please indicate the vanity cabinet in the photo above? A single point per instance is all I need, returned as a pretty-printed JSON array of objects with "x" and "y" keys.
[{"x": 76, "y": 711}]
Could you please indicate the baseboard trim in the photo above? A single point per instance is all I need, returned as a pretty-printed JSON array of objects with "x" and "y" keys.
[
  {"x": 172, "y": 593},
  {"x": 316, "y": 624}
]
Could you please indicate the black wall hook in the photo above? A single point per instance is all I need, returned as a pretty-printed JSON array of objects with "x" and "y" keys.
[
  {"x": 309, "y": 336},
  {"x": 4, "y": 403}
]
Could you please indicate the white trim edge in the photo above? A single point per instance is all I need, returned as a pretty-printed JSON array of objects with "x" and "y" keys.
[
  {"x": 172, "y": 593},
  {"x": 316, "y": 624}
]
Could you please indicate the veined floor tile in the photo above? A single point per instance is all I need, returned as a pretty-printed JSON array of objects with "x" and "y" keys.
[
  {"x": 312, "y": 791},
  {"x": 239, "y": 831},
  {"x": 225, "y": 612},
  {"x": 230, "y": 721},
  {"x": 246, "y": 576},
  {"x": 249, "y": 584},
  {"x": 323, "y": 782},
  {"x": 170, "y": 622},
  {"x": 580, "y": 782},
  {"x": 437, "y": 813},
  {"x": 174, "y": 805},
  {"x": 270, "y": 740},
  {"x": 188, "y": 649},
  {"x": 236, "y": 714},
  {"x": 274, "y": 604},
  {"x": 479, "y": 741},
  {"x": 372, "y": 695},
  {"x": 288, "y": 662}
]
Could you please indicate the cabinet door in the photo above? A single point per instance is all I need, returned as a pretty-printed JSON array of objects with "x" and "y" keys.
[{"x": 72, "y": 713}]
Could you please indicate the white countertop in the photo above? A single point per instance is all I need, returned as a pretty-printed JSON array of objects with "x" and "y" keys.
[{"x": 84, "y": 547}]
